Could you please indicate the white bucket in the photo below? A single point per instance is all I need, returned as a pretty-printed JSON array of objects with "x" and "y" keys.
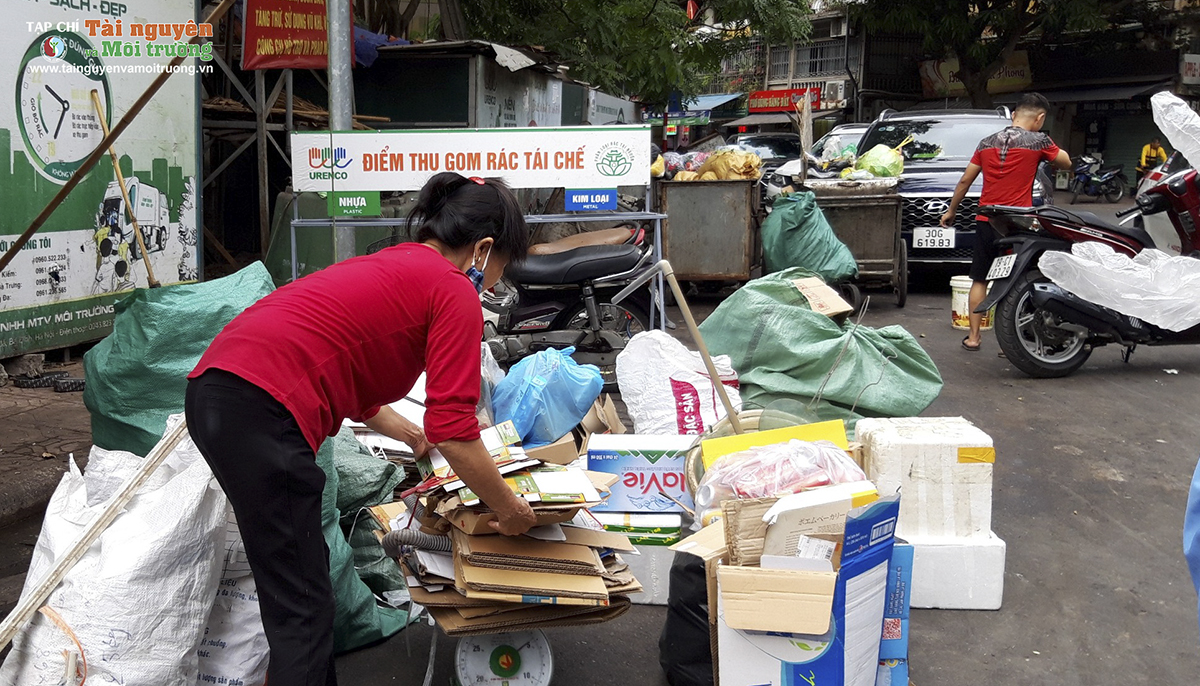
[{"x": 960, "y": 305}]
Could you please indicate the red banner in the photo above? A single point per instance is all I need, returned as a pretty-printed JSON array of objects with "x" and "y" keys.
[
  {"x": 285, "y": 34},
  {"x": 782, "y": 100}
]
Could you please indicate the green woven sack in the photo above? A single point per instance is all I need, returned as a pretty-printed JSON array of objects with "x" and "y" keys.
[
  {"x": 782, "y": 350},
  {"x": 796, "y": 234}
]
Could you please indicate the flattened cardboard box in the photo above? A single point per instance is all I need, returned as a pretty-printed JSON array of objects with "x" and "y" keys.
[
  {"x": 532, "y": 617},
  {"x": 474, "y": 521},
  {"x": 506, "y": 586},
  {"x": 520, "y": 554}
]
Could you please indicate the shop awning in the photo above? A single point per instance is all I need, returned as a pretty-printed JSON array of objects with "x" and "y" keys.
[
  {"x": 712, "y": 102},
  {"x": 1092, "y": 93},
  {"x": 774, "y": 118}
]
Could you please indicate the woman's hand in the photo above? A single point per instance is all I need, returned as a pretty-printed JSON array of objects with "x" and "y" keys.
[
  {"x": 389, "y": 423},
  {"x": 516, "y": 519}
]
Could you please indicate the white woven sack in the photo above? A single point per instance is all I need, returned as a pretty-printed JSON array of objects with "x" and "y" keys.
[
  {"x": 138, "y": 599},
  {"x": 667, "y": 389}
]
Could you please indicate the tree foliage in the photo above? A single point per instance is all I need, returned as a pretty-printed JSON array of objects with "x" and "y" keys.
[
  {"x": 644, "y": 48},
  {"x": 983, "y": 34}
]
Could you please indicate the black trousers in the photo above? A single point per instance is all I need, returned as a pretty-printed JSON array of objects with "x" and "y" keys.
[{"x": 269, "y": 472}]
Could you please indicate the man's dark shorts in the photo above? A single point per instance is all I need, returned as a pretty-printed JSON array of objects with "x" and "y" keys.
[{"x": 985, "y": 250}]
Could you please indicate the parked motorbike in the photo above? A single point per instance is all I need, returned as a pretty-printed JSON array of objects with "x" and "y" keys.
[
  {"x": 1094, "y": 181},
  {"x": 559, "y": 297},
  {"x": 1046, "y": 331}
]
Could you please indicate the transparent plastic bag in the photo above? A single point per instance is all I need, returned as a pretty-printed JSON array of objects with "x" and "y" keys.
[
  {"x": 490, "y": 376},
  {"x": 1178, "y": 122},
  {"x": 1161, "y": 289},
  {"x": 771, "y": 470},
  {"x": 546, "y": 395}
]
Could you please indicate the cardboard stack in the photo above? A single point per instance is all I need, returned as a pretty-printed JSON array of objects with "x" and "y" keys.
[
  {"x": 566, "y": 571},
  {"x": 943, "y": 466}
]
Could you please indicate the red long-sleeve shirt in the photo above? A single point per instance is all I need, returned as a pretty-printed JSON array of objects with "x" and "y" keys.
[{"x": 350, "y": 338}]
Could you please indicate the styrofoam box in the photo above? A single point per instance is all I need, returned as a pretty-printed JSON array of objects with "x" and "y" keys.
[
  {"x": 958, "y": 573},
  {"x": 943, "y": 468},
  {"x": 652, "y": 568}
]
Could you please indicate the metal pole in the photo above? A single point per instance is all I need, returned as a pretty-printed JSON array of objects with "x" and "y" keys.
[
  {"x": 341, "y": 98},
  {"x": 264, "y": 213}
]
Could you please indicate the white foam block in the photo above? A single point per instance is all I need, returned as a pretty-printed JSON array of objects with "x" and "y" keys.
[
  {"x": 958, "y": 573},
  {"x": 652, "y": 568},
  {"x": 943, "y": 468}
]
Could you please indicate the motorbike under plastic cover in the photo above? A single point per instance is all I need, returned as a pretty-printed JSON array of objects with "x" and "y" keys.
[{"x": 1152, "y": 286}]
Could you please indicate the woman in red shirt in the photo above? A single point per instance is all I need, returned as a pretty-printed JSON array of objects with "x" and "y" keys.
[{"x": 344, "y": 343}]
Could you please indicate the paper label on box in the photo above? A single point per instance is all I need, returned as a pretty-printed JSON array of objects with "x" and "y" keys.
[{"x": 814, "y": 548}]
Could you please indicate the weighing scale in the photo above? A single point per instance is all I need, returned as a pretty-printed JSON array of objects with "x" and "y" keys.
[{"x": 518, "y": 658}]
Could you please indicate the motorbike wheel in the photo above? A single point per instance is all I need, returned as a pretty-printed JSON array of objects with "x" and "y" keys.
[
  {"x": 1030, "y": 340},
  {"x": 1116, "y": 192},
  {"x": 627, "y": 319},
  {"x": 1075, "y": 188}
]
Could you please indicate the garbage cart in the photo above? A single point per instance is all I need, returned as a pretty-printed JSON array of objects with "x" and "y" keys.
[
  {"x": 711, "y": 229},
  {"x": 865, "y": 215}
]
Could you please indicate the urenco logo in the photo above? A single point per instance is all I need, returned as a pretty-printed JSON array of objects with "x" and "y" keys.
[{"x": 329, "y": 160}]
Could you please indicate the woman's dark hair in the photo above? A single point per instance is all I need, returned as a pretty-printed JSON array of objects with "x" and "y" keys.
[{"x": 458, "y": 211}]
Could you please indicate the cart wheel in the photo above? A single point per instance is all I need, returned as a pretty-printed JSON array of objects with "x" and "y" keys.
[
  {"x": 852, "y": 295},
  {"x": 900, "y": 283}
]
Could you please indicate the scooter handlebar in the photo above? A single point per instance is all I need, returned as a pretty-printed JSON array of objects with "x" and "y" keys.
[{"x": 1131, "y": 210}]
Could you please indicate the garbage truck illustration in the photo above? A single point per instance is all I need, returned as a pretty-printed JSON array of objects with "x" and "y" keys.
[
  {"x": 149, "y": 207},
  {"x": 117, "y": 250}
]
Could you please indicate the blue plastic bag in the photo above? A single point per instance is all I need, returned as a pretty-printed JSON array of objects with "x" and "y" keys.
[{"x": 546, "y": 395}]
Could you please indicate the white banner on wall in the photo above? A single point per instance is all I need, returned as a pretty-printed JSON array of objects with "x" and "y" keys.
[{"x": 576, "y": 157}]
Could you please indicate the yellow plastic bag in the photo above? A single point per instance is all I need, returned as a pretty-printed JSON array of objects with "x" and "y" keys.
[
  {"x": 659, "y": 168},
  {"x": 731, "y": 165},
  {"x": 709, "y": 176},
  {"x": 686, "y": 176}
]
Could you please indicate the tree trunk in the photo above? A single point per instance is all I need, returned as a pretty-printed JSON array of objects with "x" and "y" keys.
[
  {"x": 975, "y": 81},
  {"x": 454, "y": 26}
]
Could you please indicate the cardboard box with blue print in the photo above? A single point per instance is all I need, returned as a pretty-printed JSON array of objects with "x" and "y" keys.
[
  {"x": 804, "y": 618},
  {"x": 647, "y": 467}
]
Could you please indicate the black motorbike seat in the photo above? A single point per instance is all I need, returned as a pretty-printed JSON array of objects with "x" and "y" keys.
[
  {"x": 575, "y": 266},
  {"x": 1091, "y": 219}
]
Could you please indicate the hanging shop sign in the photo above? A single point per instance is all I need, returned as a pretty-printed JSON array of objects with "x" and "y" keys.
[
  {"x": 1189, "y": 70},
  {"x": 285, "y": 34},
  {"x": 939, "y": 78},
  {"x": 688, "y": 118},
  {"x": 61, "y": 288},
  {"x": 575, "y": 157},
  {"x": 782, "y": 100}
]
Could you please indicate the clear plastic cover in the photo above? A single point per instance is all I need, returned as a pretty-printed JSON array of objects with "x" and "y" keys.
[
  {"x": 1155, "y": 287},
  {"x": 778, "y": 469}
]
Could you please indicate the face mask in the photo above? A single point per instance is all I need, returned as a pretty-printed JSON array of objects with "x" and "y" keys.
[{"x": 476, "y": 275}]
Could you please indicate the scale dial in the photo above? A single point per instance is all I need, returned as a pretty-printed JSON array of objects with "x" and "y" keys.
[
  {"x": 521, "y": 658},
  {"x": 58, "y": 122}
]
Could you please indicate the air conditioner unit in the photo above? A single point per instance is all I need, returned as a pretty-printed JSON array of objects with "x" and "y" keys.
[
  {"x": 833, "y": 93},
  {"x": 837, "y": 27}
]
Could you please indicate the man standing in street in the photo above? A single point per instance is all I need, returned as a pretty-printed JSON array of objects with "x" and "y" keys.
[
  {"x": 1009, "y": 161},
  {"x": 1153, "y": 154}
]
